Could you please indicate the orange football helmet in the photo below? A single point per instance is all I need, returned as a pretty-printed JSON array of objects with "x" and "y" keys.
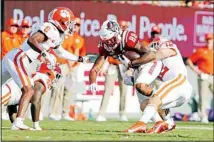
[
  {"x": 54, "y": 74},
  {"x": 63, "y": 19}
]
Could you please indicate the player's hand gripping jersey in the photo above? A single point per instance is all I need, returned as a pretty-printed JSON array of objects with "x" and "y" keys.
[{"x": 11, "y": 93}]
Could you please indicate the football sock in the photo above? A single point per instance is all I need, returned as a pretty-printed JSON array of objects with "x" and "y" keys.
[
  {"x": 156, "y": 118},
  {"x": 36, "y": 124},
  {"x": 18, "y": 120},
  {"x": 148, "y": 113}
]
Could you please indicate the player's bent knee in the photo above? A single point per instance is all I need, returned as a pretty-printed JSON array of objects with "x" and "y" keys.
[
  {"x": 28, "y": 90},
  {"x": 39, "y": 87},
  {"x": 143, "y": 104},
  {"x": 144, "y": 89},
  {"x": 156, "y": 100}
]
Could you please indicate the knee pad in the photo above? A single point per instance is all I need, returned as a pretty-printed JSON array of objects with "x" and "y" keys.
[{"x": 144, "y": 89}]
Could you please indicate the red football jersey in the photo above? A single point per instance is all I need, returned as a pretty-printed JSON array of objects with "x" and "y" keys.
[{"x": 129, "y": 39}]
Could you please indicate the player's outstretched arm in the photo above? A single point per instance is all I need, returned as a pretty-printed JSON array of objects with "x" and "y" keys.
[
  {"x": 153, "y": 55},
  {"x": 96, "y": 69},
  {"x": 147, "y": 55},
  {"x": 62, "y": 53},
  {"x": 165, "y": 53}
]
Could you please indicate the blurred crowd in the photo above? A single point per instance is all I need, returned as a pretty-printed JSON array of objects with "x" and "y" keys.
[
  {"x": 185, "y": 3},
  {"x": 201, "y": 62}
]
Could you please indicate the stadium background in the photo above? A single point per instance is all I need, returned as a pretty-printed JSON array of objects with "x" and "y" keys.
[{"x": 185, "y": 26}]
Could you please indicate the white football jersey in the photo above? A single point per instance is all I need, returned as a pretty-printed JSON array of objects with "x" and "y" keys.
[
  {"x": 172, "y": 66},
  {"x": 11, "y": 93},
  {"x": 54, "y": 39}
]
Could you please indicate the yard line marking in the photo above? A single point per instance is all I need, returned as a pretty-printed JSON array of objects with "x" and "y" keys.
[
  {"x": 200, "y": 128},
  {"x": 177, "y": 127}
]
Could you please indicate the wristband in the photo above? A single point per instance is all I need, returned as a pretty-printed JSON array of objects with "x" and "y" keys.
[
  {"x": 80, "y": 59},
  {"x": 43, "y": 54}
]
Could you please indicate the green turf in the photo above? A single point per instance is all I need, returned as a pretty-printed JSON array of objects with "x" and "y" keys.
[{"x": 110, "y": 130}]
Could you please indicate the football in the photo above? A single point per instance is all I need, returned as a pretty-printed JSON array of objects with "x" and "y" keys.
[{"x": 131, "y": 55}]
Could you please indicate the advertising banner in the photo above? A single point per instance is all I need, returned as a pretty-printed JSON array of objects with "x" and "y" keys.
[{"x": 184, "y": 26}]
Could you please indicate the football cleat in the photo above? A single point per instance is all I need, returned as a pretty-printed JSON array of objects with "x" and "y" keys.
[
  {"x": 20, "y": 127},
  {"x": 159, "y": 127},
  {"x": 139, "y": 127}
]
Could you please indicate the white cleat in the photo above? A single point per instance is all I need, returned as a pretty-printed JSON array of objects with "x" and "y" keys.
[
  {"x": 20, "y": 126},
  {"x": 54, "y": 117},
  {"x": 68, "y": 118},
  {"x": 123, "y": 118},
  {"x": 14, "y": 127},
  {"x": 100, "y": 118}
]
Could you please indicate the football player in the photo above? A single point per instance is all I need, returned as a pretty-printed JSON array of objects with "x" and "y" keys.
[
  {"x": 173, "y": 92},
  {"x": 44, "y": 79},
  {"x": 17, "y": 63},
  {"x": 116, "y": 42}
]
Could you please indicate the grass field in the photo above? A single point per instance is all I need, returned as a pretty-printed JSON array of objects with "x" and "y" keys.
[{"x": 110, "y": 130}]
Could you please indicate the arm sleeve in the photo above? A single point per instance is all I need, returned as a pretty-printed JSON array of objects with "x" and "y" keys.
[{"x": 62, "y": 53}]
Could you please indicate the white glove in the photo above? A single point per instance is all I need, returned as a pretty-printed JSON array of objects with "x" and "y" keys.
[
  {"x": 93, "y": 87},
  {"x": 49, "y": 57},
  {"x": 124, "y": 60}
]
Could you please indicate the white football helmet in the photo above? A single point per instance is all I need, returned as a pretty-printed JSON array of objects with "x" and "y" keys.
[
  {"x": 158, "y": 42},
  {"x": 110, "y": 34}
]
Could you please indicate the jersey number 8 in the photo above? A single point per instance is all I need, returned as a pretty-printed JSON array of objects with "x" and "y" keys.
[{"x": 133, "y": 37}]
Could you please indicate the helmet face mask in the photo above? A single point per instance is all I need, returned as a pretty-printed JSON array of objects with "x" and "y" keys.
[
  {"x": 154, "y": 45},
  {"x": 110, "y": 34},
  {"x": 157, "y": 42},
  {"x": 110, "y": 42},
  {"x": 70, "y": 30}
]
